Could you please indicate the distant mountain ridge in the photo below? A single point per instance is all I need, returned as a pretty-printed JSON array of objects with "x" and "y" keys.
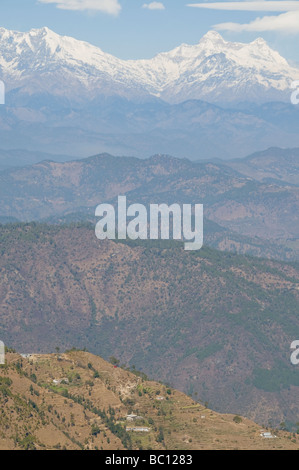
[
  {"x": 253, "y": 210},
  {"x": 272, "y": 165},
  {"x": 20, "y": 158},
  {"x": 193, "y": 129}
]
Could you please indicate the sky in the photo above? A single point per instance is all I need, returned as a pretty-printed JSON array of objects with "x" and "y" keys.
[{"x": 135, "y": 29}]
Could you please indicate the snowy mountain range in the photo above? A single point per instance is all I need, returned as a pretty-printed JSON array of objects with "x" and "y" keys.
[
  {"x": 213, "y": 99},
  {"x": 41, "y": 61}
]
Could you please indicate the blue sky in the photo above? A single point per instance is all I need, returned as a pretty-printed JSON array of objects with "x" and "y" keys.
[{"x": 141, "y": 28}]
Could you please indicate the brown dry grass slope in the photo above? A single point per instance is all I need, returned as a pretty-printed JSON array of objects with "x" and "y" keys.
[{"x": 88, "y": 408}]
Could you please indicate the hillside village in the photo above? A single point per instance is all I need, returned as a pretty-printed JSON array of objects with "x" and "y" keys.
[{"x": 76, "y": 400}]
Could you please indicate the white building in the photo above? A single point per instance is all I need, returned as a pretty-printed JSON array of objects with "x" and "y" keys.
[
  {"x": 138, "y": 429},
  {"x": 267, "y": 435}
]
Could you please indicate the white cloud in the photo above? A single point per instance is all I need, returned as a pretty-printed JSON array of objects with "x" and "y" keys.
[
  {"x": 112, "y": 7},
  {"x": 285, "y": 23},
  {"x": 250, "y": 6},
  {"x": 154, "y": 6}
]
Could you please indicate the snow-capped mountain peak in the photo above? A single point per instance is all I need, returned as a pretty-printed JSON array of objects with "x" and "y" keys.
[{"x": 214, "y": 69}]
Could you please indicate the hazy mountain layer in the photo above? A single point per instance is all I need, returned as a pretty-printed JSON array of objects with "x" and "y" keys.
[{"x": 250, "y": 213}]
